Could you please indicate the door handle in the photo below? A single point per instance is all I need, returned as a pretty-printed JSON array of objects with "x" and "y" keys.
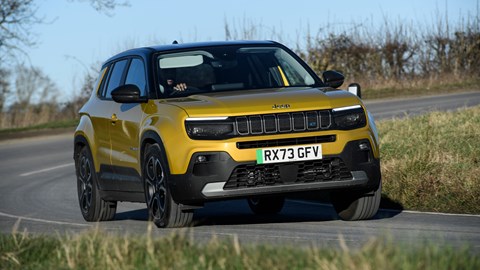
[{"x": 114, "y": 118}]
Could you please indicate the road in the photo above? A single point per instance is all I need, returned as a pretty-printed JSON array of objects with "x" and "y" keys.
[
  {"x": 38, "y": 194},
  {"x": 384, "y": 109}
]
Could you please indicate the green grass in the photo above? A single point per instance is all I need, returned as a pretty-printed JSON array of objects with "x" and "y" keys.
[
  {"x": 432, "y": 162},
  {"x": 51, "y": 125},
  {"x": 97, "y": 250}
]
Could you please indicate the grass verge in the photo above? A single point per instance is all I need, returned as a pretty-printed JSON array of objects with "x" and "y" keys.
[
  {"x": 420, "y": 88},
  {"x": 50, "y": 125},
  {"x": 97, "y": 250},
  {"x": 50, "y": 128},
  {"x": 432, "y": 162}
]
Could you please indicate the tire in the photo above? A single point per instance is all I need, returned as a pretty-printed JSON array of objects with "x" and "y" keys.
[
  {"x": 162, "y": 209},
  {"x": 352, "y": 206},
  {"x": 92, "y": 206},
  {"x": 266, "y": 205}
]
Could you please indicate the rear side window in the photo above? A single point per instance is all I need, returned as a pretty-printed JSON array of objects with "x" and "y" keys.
[
  {"x": 115, "y": 77},
  {"x": 100, "y": 81},
  {"x": 136, "y": 75}
]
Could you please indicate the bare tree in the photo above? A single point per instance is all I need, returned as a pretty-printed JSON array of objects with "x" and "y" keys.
[
  {"x": 18, "y": 16},
  {"x": 26, "y": 83},
  {"x": 16, "y": 19},
  {"x": 4, "y": 87},
  {"x": 105, "y": 6},
  {"x": 30, "y": 82}
]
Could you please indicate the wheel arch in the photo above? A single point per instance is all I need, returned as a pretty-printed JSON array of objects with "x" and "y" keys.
[
  {"x": 79, "y": 141},
  {"x": 150, "y": 137},
  {"x": 85, "y": 136}
]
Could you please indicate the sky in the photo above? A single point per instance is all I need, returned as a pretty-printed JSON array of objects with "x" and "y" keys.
[{"x": 76, "y": 36}]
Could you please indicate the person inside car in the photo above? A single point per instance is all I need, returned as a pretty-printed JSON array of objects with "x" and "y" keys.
[{"x": 176, "y": 87}]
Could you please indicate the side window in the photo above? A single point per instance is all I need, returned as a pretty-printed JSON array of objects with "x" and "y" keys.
[
  {"x": 115, "y": 77},
  {"x": 100, "y": 82},
  {"x": 136, "y": 75}
]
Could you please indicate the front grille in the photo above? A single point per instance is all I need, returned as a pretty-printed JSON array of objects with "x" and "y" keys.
[
  {"x": 283, "y": 122},
  {"x": 285, "y": 142},
  {"x": 253, "y": 175}
]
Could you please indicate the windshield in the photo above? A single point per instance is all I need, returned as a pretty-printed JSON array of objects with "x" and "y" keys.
[{"x": 229, "y": 68}]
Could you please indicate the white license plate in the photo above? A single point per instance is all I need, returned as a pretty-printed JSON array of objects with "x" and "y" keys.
[{"x": 289, "y": 154}]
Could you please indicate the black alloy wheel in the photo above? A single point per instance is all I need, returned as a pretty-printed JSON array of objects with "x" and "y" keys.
[
  {"x": 85, "y": 184},
  {"x": 162, "y": 209},
  {"x": 92, "y": 206}
]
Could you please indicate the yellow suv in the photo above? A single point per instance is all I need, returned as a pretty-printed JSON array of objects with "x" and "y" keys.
[{"x": 179, "y": 125}]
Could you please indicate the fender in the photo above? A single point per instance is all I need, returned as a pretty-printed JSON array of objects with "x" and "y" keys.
[
  {"x": 149, "y": 137},
  {"x": 162, "y": 127},
  {"x": 85, "y": 135}
]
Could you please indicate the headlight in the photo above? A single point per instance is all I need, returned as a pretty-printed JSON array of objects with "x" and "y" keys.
[
  {"x": 349, "y": 117},
  {"x": 213, "y": 128}
]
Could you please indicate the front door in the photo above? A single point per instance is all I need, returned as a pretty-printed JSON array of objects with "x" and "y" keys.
[{"x": 125, "y": 133}]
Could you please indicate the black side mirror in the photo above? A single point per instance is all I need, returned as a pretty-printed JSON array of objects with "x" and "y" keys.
[
  {"x": 355, "y": 89},
  {"x": 333, "y": 78},
  {"x": 128, "y": 93}
]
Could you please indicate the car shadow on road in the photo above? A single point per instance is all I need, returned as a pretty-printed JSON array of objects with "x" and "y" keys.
[
  {"x": 237, "y": 212},
  {"x": 138, "y": 214}
]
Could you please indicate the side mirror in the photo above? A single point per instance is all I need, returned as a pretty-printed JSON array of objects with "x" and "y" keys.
[
  {"x": 128, "y": 93},
  {"x": 333, "y": 78},
  {"x": 355, "y": 89}
]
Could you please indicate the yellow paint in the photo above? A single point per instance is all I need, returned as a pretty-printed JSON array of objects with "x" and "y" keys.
[{"x": 284, "y": 78}]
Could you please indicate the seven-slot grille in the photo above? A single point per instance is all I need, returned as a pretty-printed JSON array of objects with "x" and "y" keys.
[{"x": 283, "y": 122}]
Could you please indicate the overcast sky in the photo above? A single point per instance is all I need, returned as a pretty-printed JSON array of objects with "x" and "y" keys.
[{"x": 79, "y": 36}]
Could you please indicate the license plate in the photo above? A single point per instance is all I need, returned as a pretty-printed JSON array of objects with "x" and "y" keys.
[{"x": 289, "y": 154}]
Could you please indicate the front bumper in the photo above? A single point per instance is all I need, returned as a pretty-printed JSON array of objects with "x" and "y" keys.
[{"x": 217, "y": 176}]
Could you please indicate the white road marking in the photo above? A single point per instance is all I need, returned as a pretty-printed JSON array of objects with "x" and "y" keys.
[
  {"x": 261, "y": 235},
  {"x": 434, "y": 213},
  {"x": 43, "y": 220},
  {"x": 402, "y": 211},
  {"x": 47, "y": 169}
]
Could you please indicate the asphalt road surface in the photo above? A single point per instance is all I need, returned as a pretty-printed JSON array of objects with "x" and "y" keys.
[{"x": 38, "y": 194}]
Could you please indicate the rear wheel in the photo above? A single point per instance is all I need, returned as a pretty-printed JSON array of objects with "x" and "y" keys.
[
  {"x": 266, "y": 205},
  {"x": 162, "y": 209},
  {"x": 93, "y": 207},
  {"x": 357, "y": 205}
]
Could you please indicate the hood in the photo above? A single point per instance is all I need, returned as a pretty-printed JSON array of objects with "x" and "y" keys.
[{"x": 263, "y": 101}]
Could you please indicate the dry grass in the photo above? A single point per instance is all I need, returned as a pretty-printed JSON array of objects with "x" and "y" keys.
[
  {"x": 97, "y": 250},
  {"x": 432, "y": 162},
  {"x": 30, "y": 116},
  {"x": 420, "y": 87}
]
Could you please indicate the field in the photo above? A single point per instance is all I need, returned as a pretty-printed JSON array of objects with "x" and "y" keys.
[{"x": 432, "y": 162}]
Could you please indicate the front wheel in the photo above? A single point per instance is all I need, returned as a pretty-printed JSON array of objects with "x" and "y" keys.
[
  {"x": 266, "y": 205},
  {"x": 357, "y": 205},
  {"x": 93, "y": 207},
  {"x": 162, "y": 209}
]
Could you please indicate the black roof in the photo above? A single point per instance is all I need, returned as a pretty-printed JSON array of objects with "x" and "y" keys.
[{"x": 145, "y": 51}]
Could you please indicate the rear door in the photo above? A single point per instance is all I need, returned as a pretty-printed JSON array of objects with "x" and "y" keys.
[
  {"x": 99, "y": 110},
  {"x": 103, "y": 123}
]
